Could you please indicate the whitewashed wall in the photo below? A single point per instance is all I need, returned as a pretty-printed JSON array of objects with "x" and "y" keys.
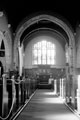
[{"x": 60, "y": 53}]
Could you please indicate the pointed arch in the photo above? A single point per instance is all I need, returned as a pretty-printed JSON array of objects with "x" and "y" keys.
[
  {"x": 2, "y": 45},
  {"x": 54, "y": 21},
  {"x": 2, "y": 49}
]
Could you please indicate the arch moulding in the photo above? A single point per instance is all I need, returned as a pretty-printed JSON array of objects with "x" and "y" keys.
[{"x": 36, "y": 19}]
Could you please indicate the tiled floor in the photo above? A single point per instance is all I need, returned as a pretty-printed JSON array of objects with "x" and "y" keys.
[{"x": 45, "y": 105}]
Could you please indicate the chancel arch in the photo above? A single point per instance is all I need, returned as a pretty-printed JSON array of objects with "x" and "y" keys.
[{"x": 40, "y": 22}]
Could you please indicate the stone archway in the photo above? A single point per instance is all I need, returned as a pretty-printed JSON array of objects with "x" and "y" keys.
[
  {"x": 8, "y": 50},
  {"x": 70, "y": 67},
  {"x": 65, "y": 27},
  {"x": 25, "y": 25}
]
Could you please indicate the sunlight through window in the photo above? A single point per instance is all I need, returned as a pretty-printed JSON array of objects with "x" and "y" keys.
[{"x": 43, "y": 53}]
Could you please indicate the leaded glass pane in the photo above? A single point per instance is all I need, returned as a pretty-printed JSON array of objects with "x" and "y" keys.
[{"x": 44, "y": 53}]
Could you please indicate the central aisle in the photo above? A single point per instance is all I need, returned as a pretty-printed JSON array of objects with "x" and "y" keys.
[{"x": 45, "y": 105}]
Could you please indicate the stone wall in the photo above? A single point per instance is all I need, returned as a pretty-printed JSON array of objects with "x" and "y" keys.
[{"x": 6, "y": 36}]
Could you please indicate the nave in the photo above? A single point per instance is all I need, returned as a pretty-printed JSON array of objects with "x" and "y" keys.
[
  {"x": 43, "y": 53},
  {"x": 46, "y": 105}
]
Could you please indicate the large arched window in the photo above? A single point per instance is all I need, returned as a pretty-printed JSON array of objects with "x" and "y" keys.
[{"x": 43, "y": 53}]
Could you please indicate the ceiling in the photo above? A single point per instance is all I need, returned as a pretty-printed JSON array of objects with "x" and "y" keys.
[{"x": 17, "y": 10}]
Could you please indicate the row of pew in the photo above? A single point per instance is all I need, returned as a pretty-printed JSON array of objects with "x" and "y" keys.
[{"x": 13, "y": 95}]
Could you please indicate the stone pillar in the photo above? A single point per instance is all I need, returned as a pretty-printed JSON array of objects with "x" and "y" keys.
[
  {"x": 78, "y": 95},
  {"x": 5, "y": 94},
  {"x": 78, "y": 101},
  {"x": 64, "y": 88},
  {"x": 67, "y": 90},
  {"x": 60, "y": 87},
  {"x": 55, "y": 86},
  {"x": 67, "y": 83}
]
